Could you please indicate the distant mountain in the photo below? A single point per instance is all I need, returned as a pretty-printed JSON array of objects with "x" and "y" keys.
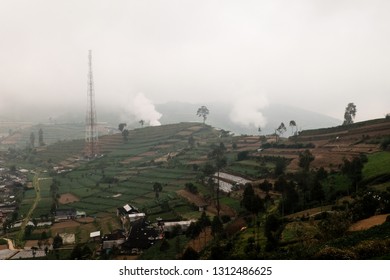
[{"x": 174, "y": 112}]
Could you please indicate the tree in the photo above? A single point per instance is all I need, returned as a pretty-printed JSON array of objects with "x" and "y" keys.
[
  {"x": 164, "y": 245},
  {"x": 142, "y": 122},
  {"x": 125, "y": 134},
  {"x": 122, "y": 126},
  {"x": 216, "y": 226},
  {"x": 191, "y": 188},
  {"x": 190, "y": 254},
  {"x": 385, "y": 142},
  {"x": 353, "y": 169},
  {"x": 334, "y": 225},
  {"x": 218, "y": 155},
  {"x": 271, "y": 231},
  {"x": 32, "y": 139},
  {"x": 203, "y": 112},
  {"x": 204, "y": 222},
  {"x": 292, "y": 124},
  {"x": 191, "y": 141},
  {"x": 157, "y": 188},
  {"x": 40, "y": 138},
  {"x": 280, "y": 166},
  {"x": 251, "y": 201},
  {"x": 266, "y": 186},
  {"x": 305, "y": 158},
  {"x": 57, "y": 241},
  {"x": 350, "y": 113},
  {"x": 282, "y": 129}
]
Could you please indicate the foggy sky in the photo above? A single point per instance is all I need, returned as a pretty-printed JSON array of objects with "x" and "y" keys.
[{"x": 318, "y": 55}]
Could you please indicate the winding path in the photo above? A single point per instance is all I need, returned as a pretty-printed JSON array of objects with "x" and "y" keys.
[{"x": 30, "y": 212}]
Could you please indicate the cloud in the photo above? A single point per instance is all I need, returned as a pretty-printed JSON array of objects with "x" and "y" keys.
[
  {"x": 246, "y": 110},
  {"x": 141, "y": 108}
]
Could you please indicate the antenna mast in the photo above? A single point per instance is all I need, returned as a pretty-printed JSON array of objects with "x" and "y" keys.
[{"x": 91, "y": 134}]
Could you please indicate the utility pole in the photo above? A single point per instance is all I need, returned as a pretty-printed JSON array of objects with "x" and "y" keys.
[{"x": 91, "y": 135}]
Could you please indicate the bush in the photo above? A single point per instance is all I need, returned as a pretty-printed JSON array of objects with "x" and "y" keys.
[
  {"x": 191, "y": 188},
  {"x": 225, "y": 219},
  {"x": 288, "y": 146},
  {"x": 331, "y": 253},
  {"x": 243, "y": 155},
  {"x": 369, "y": 249},
  {"x": 190, "y": 254},
  {"x": 385, "y": 143},
  {"x": 3, "y": 242}
]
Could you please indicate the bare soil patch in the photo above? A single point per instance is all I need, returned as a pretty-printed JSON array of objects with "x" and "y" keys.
[
  {"x": 132, "y": 159},
  {"x": 184, "y": 133},
  {"x": 310, "y": 212},
  {"x": 211, "y": 207},
  {"x": 199, "y": 243},
  {"x": 85, "y": 220},
  {"x": 148, "y": 154},
  {"x": 63, "y": 225},
  {"x": 192, "y": 198},
  {"x": 195, "y": 128},
  {"x": 68, "y": 198},
  {"x": 368, "y": 223},
  {"x": 163, "y": 146},
  {"x": 31, "y": 243},
  {"x": 235, "y": 226}
]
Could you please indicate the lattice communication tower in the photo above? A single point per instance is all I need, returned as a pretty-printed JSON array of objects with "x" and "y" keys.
[{"x": 91, "y": 134}]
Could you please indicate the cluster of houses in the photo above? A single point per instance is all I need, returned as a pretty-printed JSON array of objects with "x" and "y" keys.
[
  {"x": 11, "y": 183},
  {"x": 137, "y": 233}
]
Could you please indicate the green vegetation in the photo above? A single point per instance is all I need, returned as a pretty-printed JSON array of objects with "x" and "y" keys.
[
  {"x": 378, "y": 164},
  {"x": 301, "y": 211}
]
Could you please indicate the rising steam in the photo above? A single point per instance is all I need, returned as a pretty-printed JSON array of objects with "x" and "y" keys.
[
  {"x": 141, "y": 108},
  {"x": 246, "y": 110}
]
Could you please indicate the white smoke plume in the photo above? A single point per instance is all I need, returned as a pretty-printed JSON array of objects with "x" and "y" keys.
[
  {"x": 141, "y": 108},
  {"x": 246, "y": 110}
]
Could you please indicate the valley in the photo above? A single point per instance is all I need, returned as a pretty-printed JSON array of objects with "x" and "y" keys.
[{"x": 277, "y": 197}]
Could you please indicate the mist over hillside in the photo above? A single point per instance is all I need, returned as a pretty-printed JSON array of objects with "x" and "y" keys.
[
  {"x": 273, "y": 115},
  {"x": 220, "y": 116}
]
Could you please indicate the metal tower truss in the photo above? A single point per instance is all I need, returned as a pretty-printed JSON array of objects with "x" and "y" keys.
[{"x": 91, "y": 134}]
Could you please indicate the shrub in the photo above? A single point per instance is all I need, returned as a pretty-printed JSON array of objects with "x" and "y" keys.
[
  {"x": 369, "y": 249},
  {"x": 385, "y": 143},
  {"x": 225, "y": 219},
  {"x": 243, "y": 155},
  {"x": 331, "y": 253}
]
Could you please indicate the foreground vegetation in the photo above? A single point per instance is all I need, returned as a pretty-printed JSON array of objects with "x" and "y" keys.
[{"x": 293, "y": 213}]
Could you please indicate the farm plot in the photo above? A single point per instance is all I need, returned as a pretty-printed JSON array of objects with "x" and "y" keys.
[
  {"x": 67, "y": 198},
  {"x": 43, "y": 207},
  {"x": 368, "y": 223},
  {"x": 377, "y": 164}
]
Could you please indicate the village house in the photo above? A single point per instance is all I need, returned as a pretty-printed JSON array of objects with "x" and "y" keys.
[
  {"x": 169, "y": 226},
  {"x": 114, "y": 239},
  {"x": 142, "y": 235},
  {"x": 95, "y": 236},
  {"x": 126, "y": 210},
  {"x": 129, "y": 213},
  {"x": 65, "y": 214},
  {"x": 68, "y": 238}
]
